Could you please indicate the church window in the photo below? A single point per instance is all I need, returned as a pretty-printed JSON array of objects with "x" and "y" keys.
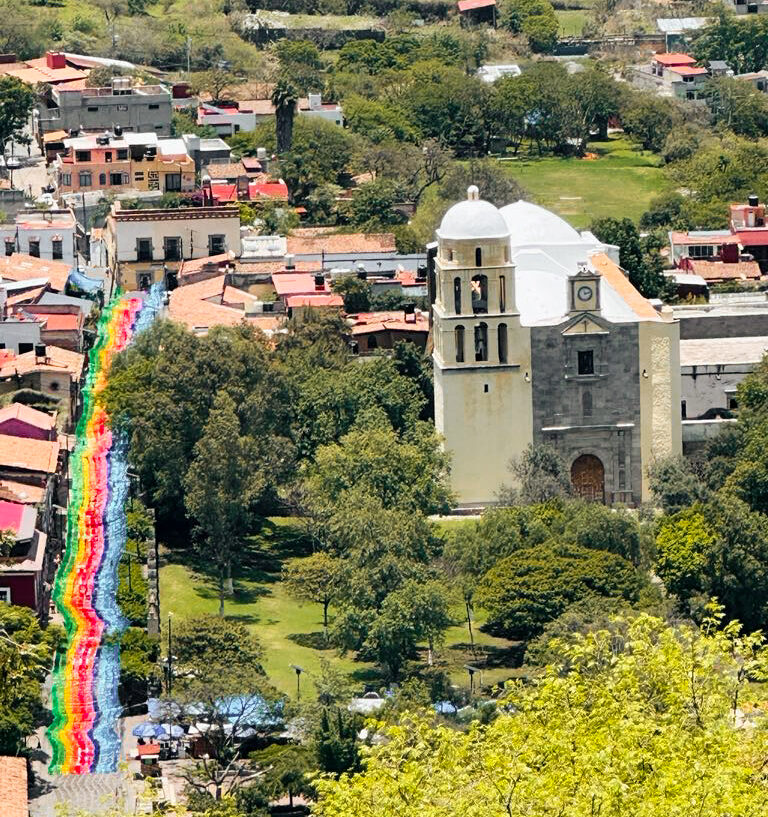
[
  {"x": 683, "y": 410},
  {"x": 506, "y": 254},
  {"x": 586, "y": 403},
  {"x": 459, "y": 337},
  {"x": 451, "y": 256},
  {"x": 478, "y": 257},
  {"x": 479, "y": 294},
  {"x": 502, "y": 293},
  {"x": 586, "y": 361},
  {"x": 502, "y": 343},
  {"x": 457, "y": 295},
  {"x": 481, "y": 341}
]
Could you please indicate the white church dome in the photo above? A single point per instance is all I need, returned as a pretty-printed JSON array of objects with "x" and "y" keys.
[
  {"x": 528, "y": 224},
  {"x": 473, "y": 218}
]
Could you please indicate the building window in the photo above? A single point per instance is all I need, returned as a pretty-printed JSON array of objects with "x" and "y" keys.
[
  {"x": 154, "y": 107},
  {"x": 139, "y": 177},
  {"x": 54, "y": 385},
  {"x": 372, "y": 343},
  {"x": 586, "y": 403},
  {"x": 57, "y": 249},
  {"x": 116, "y": 178},
  {"x": 34, "y": 247},
  {"x": 93, "y": 108},
  {"x": 158, "y": 127},
  {"x": 481, "y": 342},
  {"x": 66, "y": 180},
  {"x": 586, "y": 360},
  {"x": 108, "y": 156},
  {"x": 480, "y": 294},
  {"x": 733, "y": 404},
  {"x": 122, "y": 154},
  {"x": 102, "y": 179},
  {"x": 701, "y": 251},
  {"x": 144, "y": 281},
  {"x": 502, "y": 335},
  {"x": 143, "y": 249},
  {"x": 502, "y": 293},
  {"x": 457, "y": 295},
  {"x": 459, "y": 338},
  {"x": 25, "y": 347},
  {"x": 690, "y": 95},
  {"x": 683, "y": 410},
  {"x": 10, "y": 246},
  {"x": 451, "y": 256},
  {"x": 216, "y": 244},
  {"x": 506, "y": 254},
  {"x": 122, "y": 107},
  {"x": 5, "y": 595},
  {"x": 172, "y": 248},
  {"x": 478, "y": 257},
  {"x": 173, "y": 182},
  {"x": 84, "y": 178},
  {"x": 82, "y": 155}
]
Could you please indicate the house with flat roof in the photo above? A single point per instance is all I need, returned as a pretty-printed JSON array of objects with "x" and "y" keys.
[
  {"x": 228, "y": 117},
  {"x": 45, "y": 234},
  {"x": 675, "y": 75}
]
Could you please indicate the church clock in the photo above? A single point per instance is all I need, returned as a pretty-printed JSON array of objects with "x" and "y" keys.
[{"x": 585, "y": 290}]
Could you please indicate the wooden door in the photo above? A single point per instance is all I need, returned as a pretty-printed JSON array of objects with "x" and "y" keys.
[{"x": 588, "y": 478}]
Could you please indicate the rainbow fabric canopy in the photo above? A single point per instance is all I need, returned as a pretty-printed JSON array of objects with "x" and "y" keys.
[{"x": 86, "y": 674}]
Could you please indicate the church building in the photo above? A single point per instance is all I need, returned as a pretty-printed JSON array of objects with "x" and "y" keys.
[{"x": 540, "y": 337}]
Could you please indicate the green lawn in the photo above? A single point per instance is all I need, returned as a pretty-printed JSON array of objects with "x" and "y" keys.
[
  {"x": 621, "y": 182},
  {"x": 571, "y": 21},
  {"x": 291, "y": 631}
]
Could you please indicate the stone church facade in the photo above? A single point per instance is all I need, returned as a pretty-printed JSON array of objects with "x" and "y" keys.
[{"x": 540, "y": 337}]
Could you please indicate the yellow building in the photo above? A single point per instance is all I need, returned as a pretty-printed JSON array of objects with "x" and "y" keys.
[{"x": 540, "y": 337}]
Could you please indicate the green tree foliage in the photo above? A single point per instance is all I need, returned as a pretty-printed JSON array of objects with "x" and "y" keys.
[
  {"x": 741, "y": 41},
  {"x": 540, "y": 474},
  {"x": 649, "y": 119},
  {"x": 26, "y": 654},
  {"x": 675, "y": 485},
  {"x": 285, "y": 99},
  {"x": 377, "y": 120},
  {"x": 525, "y": 591},
  {"x": 719, "y": 549},
  {"x": 138, "y": 664},
  {"x": 738, "y": 106},
  {"x": 225, "y": 480},
  {"x": 535, "y": 19},
  {"x": 314, "y": 579},
  {"x": 286, "y": 769},
  {"x": 335, "y": 741},
  {"x": 638, "y": 256},
  {"x": 355, "y": 292},
  {"x": 598, "y": 527},
  {"x": 568, "y": 742},
  {"x": 494, "y": 184},
  {"x": 300, "y": 64},
  {"x": 372, "y": 207},
  {"x": 16, "y": 101}
]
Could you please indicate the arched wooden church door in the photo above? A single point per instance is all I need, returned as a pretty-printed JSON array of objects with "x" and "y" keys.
[{"x": 588, "y": 478}]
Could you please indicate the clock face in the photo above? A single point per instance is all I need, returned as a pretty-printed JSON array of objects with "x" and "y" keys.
[{"x": 584, "y": 293}]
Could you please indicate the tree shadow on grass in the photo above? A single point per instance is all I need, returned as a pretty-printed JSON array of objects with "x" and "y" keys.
[
  {"x": 371, "y": 677},
  {"x": 490, "y": 656},
  {"x": 314, "y": 641}
]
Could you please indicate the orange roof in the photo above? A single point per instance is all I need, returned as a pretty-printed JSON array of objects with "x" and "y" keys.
[
  {"x": 27, "y": 296},
  {"x": 365, "y": 323},
  {"x": 321, "y": 299},
  {"x": 25, "y": 454},
  {"x": 55, "y": 136},
  {"x": 58, "y": 322},
  {"x": 28, "y": 415},
  {"x": 687, "y": 70},
  {"x": 674, "y": 59},
  {"x": 622, "y": 286},
  {"x": 189, "y": 305},
  {"x": 720, "y": 271},
  {"x": 38, "y": 72},
  {"x": 275, "y": 267},
  {"x": 21, "y": 492},
  {"x": 20, "y": 267},
  {"x": 196, "y": 264},
  {"x": 710, "y": 237},
  {"x": 56, "y": 360},
  {"x": 313, "y": 240},
  {"x": 297, "y": 283},
  {"x": 13, "y": 787}
]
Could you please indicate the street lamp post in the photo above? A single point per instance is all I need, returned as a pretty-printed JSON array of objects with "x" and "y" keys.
[
  {"x": 471, "y": 670},
  {"x": 170, "y": 658},
  {"x": 298, "y": 670}
]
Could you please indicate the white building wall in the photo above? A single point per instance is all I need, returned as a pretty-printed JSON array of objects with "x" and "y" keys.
[{"x": 21, "y": 237}]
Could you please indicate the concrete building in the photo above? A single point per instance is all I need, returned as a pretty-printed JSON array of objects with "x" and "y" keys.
[
  {"x": 675, "y": 75},
  {"x": 147, "y": 246},
  {"x": 540, "y": 337},
  {"x": 72, "y": 107},
  {"x": 118, "y": 162},
  {"x": 230, "y": 117},
  {"x": 45, "y": 234}
]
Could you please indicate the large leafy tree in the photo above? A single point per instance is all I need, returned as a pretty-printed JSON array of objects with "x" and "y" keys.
[
  {"x": 26, "y": 652},
  {"x": 16, "y": 101},
  {"x": 284, "y": 98},
  {"x": 643, "y": 724},
  {"x": 314, "y": 579}
]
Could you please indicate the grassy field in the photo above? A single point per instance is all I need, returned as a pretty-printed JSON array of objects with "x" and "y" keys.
[
  {"x": 620, "y": 182},
  {"x": 291, "y": 631},
  {"x": 571, "y": 21}
]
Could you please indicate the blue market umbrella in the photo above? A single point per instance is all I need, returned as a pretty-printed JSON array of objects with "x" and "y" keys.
[
  {"x": 147, "y": 730},
  {"x": 174, "y": 730},
  {"x": 445, "y": 708}
]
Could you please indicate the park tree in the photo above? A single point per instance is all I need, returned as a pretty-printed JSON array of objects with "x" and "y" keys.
[
  {"x": 740, "y": 41},
  {"x": 494, "y": 184},
  {"x": 675, "y": 485},
  {"x": 355, "y": 292},
  {"x": 637, "y": 255},
  {"x": 223, "y": 483},
  {"x": 540, "y": 474},
  {"x": 379, "y": 121},
  {"x": 315, "y": 579},
  {"x": 649, "y": 119},
  {"x": 26, "y": 654},
  {"x": 16, "y": 101},
  {"x": 596, "y": 99},
  {"x": 598, "y": 527},
  {"x": 738, "y": 106},
  {"x": 372, "y": 206},
  {"x": 568, "y": 741},
  {"x": 300, "y": 64},
  {"x": 525, "y": 591}
]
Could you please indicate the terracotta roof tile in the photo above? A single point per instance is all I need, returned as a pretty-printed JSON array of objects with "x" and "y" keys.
[
  {"x": 317, "y": 239},
  {"x": 25, "y": 454},
  {"x": 57, "y": 360},
  {"x": 21, "y": 267},
  {"x": 13, "y": 787},
  {"x": 28, "y": 415},
  {"x": 621, "y": 285},
  {"x": 720, "y": 271},
  {"x": 21, "y": 492}
]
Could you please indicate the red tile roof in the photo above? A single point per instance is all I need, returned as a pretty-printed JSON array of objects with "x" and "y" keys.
[
  {"x": 21, "y": 492},
  {"x": 296, "y": 283},
  {"x": 621, "y": 285},
  {"x": 712, "y": 271},
  {"x": 21, "y": 267},
  {"x": 674, "y": 59},
  {"x": 13, "y": 787},
  {"x": 197, "y": 264},
  {"x": 366, "y": 323},
  {"x": 57, "y": 322},
  {"x": 56, "y": 360},
  {"x": 753, "y": 238},
  {"x": 256, "y": 190},
  {"x": 28, "y": 415},
  {"x": 315, "y": 300},
  {"x": 29, "y": 455},
  {"x": 687, "y": 70},
  {"x": 312, "y": 240},
  {"x": 687, "y": 238}
]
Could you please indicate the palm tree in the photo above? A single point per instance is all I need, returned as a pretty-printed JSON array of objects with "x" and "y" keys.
[{"x": 284, "y": 98}]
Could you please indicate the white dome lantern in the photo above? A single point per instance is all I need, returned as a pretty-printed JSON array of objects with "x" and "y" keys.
[{"x": 472, "y": 219}]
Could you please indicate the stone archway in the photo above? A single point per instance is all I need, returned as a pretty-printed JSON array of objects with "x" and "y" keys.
[{"x": 588, "y": 478}]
